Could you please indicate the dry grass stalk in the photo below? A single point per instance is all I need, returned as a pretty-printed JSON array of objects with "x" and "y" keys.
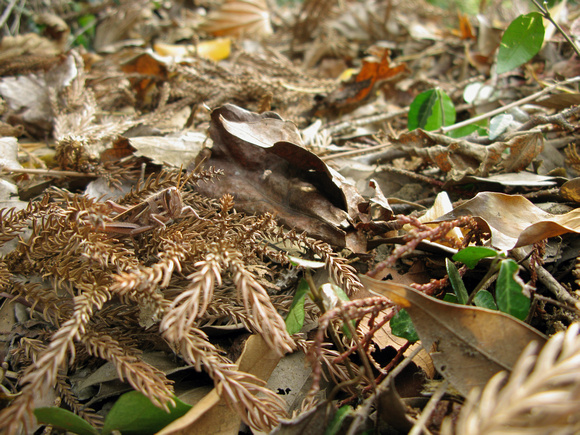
[{"x": 541, "y": 396}]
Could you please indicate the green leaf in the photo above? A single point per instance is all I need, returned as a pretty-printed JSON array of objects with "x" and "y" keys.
[
  {"x": 509, "y": 291},
  {"x": 456, "y": 282},
  {"x": 64, "y": 419},
  {"x": 133, "y": 413},
  {"x": 337, "y": 421},
  {"x": 295, "y": 317},
  {"x": 402, "y": 326},
  {"x": 431, "y": 110},
  {"x": 480, "y": 127},
  {"x": 521, "y": 41},
  {"x": 451, "y": 298},
  {"x": 484, "y": 299},
  {"x": 331, "y": 293},
  {"x": 471, "y": 255},
  {"x": 310, "y": 264}
]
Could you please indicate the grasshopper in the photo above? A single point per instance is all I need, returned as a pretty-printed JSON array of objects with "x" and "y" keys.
[{"x": 155, "y": 211}]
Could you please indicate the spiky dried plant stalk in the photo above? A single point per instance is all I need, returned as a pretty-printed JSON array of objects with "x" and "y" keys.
[
  {"x": 102, "y": 293},
  {"x": 541, "y": 396}
]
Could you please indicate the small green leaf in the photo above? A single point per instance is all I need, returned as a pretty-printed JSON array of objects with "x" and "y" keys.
[
  {"x": 431, "y": 110},
  {"x": 480, "y": 127},
  {"x": 402, "y": 326},
  {"x": 331, "y": 293},
  {"x": 337, "y": 421},
  {"x": 310, "y": 264},
  {"x": 340, "y": 293},
  {"x": 484, "y": 299},
  {"x": 471, "y": 255},
  {"x": 451, "y": 298},
  {"x": 521, "y": 41},
  {"x": 456, "y": 282},
  {"x": 295, "y": 317},
  {"x": 64, "y": 419},
  {"x": 133, "y": 413},
  {"x": 509, "y": 291}
]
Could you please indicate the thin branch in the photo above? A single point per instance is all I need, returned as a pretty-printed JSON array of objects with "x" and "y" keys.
[
  {"x": 502, "y": 109},
  {"x": 548, "y": 16}
]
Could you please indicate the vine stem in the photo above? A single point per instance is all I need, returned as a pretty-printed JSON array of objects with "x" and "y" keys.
[{"x": 548, "y": 16}]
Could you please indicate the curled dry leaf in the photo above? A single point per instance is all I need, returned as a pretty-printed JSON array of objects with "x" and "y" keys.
[
  {"x": 468, "y": 345},
  {"x": 243, "y": 18},
  {"x": 541, "y": 396},
  {"x": 359, "y": 89},
  {"x": 459, "y": 157},
  {"x": 268, "y": 171},
  {"x": 513, "y": 220},
  {"x": 571, "y": 190}
]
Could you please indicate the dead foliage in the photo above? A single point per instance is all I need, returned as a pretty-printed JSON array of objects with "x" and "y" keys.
[{"x": 178, "y": 175}]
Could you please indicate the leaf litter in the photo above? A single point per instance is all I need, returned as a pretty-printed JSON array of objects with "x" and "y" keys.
[{"x": 171, "y": 173}]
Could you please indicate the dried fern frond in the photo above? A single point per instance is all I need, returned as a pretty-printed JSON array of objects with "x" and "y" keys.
[
  {"x": 541, "y": 396},
  {"x": 13, "y": 221}
]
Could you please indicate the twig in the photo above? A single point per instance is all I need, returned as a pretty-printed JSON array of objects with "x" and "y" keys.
[
  {"x": 48, "y": 172},
  {"x": 557, "y": 303},
  {"x": 358, "y": 122},
  {"x": 355, "y": 152},
  {"x": 413, "y": 175},
  {"x": 547, "y": 279},
  {"x": 557, "y": 118},
  {"x": 502, "y": 109},
  {"x": 7, "y": 12},
  {"x": 546, "y": 13}
]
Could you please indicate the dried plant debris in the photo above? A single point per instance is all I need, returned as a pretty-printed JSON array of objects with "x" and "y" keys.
[
  {"x": 284, "y": 114},
  {"x": 113, "y": 279},
  {"x": 540, "y": 396}
]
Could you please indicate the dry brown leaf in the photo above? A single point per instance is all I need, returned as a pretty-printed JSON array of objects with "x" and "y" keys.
[
  {"x": 242, "y": 18},
  {"x": 267, "y": 171},
  {"x": 571, "y": 190},
  {"x": 513, "y": 220},
  {"x": 468, "y": 345}
]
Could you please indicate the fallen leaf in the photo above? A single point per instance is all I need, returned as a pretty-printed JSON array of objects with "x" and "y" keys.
[
  {"x": 145, "y": 71},
  {"x": 174, "y": 151},
  {"x": 469, "y": 345},
  {"x": 359, "y": 88},
  {"x": 513, "y": 220},
  {"x": 267, "y": 170},
  {"x": 518, "y": 179},
  {"x": 571, "y": 190},
  {"x": 216, "y": 49},
  {"x": 242, "y": 18},
  {"x": 29, "y": 96}
]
